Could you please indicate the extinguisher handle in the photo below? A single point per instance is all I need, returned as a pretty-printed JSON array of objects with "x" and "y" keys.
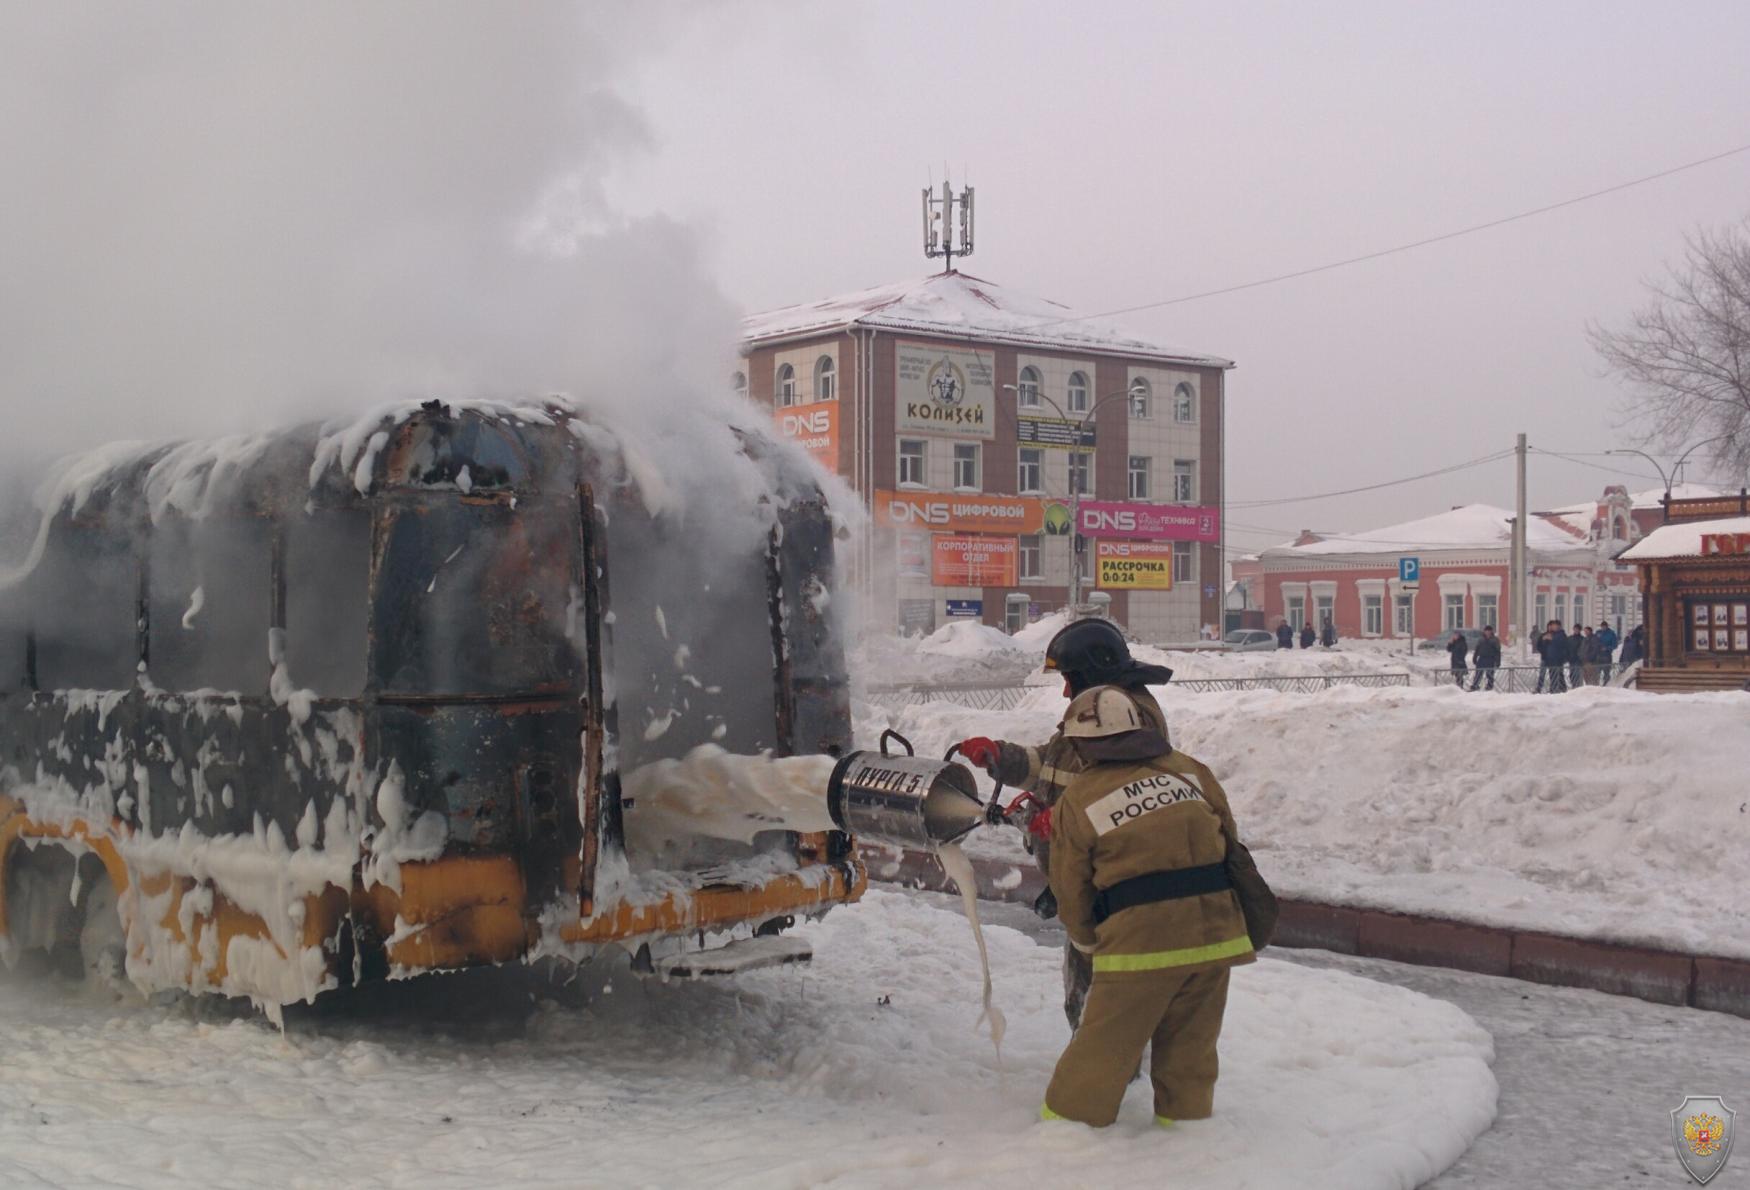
[{"x": 894, "y": 734}]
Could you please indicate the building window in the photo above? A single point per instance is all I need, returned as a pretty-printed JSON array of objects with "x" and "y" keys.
[
  {"x": 1327, "y": 610},
  {"x": 1078, "y": 392},
  {"x": 1582, "y": 609},
  {"x": 1032, "y": 476},
  {"x": 826, "y": 381},
  {"x": 1453, "y": 616},
  {"x": 1027, "y": 391},
  {"x": 1562, "y": 607},
  {"x": 1618, "y": 529},
  {"x": 1184, "y": 480},
  {"x": 911, "y": 462},
  {"x": 785, "y": 390},
  {"x": 1138, "y": 477},
  {"x": 1029, "y": 565},
  {"x": 1373, "y": 615},
  {"x": 1295, "y": 605},
  {"x": 1184, "y": 403},
  {"x": 1540, "y": 617},
  {"x": 738, "y": 382},
  {"x": 1139, "y": 398},
  {"x": 1184, "y": 563},
  {"x": 1081, "y": 473},
  {"x": 966, "y": 466},
  {"x": 1404, "y": 619},
  {"x": 1489, "y": 611}
]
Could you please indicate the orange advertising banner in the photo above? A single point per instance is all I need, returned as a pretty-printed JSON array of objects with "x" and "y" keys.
[
  {"x": 815, "y": 428},
  {"x": 961, "y": 513},
  {"x": 973, "y": 561}
]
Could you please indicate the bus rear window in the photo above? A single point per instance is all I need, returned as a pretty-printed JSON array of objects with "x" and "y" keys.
[
  {"x": 463, "y": 453},
  {"x": 477, "y": 598}
]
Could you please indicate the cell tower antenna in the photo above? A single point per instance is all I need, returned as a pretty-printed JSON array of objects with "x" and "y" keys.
[{"x": 947, "y": 223}]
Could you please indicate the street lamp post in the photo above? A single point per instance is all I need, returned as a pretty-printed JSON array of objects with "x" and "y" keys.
[
  {"x": 1075, "y": 493},
  {"x": 1676, "y": 468}
]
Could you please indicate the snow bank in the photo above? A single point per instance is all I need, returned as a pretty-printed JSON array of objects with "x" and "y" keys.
[
  {"x": 862, "y": 1071},
  {"x": 964, "y": 652},
  {"x": 1601, "y": 813}
]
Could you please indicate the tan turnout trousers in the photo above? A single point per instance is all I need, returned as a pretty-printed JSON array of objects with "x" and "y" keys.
[{"x": 1177, "y": 1015}]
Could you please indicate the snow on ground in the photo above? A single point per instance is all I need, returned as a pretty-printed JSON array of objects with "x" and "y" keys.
[
  {"x": 863, "y": 1070},
  {"x": 967, "y": 653},
  {"x": 1599, "y": 813}
]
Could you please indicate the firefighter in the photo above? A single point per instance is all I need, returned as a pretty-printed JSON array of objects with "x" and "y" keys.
[
  {"x": 1139, "y": 863},
  {"x": 1087, "y": 653}
]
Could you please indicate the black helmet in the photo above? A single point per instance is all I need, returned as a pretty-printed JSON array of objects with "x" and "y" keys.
[{"x": 1092, "y": 652}]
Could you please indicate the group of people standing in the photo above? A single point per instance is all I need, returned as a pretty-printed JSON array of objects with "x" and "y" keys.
[
  {"x": 1583, "y": 657},
  {"x": 1327, "y": 636}
]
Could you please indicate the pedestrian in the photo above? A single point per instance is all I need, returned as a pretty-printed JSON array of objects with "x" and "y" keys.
[
  {"x": 1634, "y": 646},
  {"x": 1487, "y": 657},
  {"x": 1575, "y": 648},
  {"x": 1087, "y": 653},
  {"x": 1306, "y": 636},
  {"x": 1552, "y": 651},
  {"x": 1456, "y": 648},
  {"x": 1328, "y": 633},
  {"x": 1139, "y": 863},
  {"x": 1589, "y": 655},
  {"x": 1607, "y": 642},
  {"x": 1284, "y": 635}
]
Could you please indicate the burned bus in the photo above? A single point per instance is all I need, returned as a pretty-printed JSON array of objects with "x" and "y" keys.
[{"x": 287, "y": 712}]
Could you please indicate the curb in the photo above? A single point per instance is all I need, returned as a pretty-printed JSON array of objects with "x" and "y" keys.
[{"x": 1662, "y": 977}]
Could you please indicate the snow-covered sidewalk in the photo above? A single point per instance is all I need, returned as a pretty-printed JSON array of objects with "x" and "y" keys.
[
  {"x": 1601, "y": 813},
  {"x": 863, "y": 1070}
]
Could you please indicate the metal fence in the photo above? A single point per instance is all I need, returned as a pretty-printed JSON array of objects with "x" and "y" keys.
[
  {"x": 1507, "y": 679},
  {"x": 1527, "y": 679}
]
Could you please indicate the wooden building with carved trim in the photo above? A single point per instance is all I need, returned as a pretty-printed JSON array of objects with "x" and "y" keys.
[{"x": 1695, "y": 576}]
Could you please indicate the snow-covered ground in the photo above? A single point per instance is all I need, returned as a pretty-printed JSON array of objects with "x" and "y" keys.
[
  {"x": 1599, "y": 813},
  {"x": 863, "y": 1070},
  {"x": 964, "y": 652}
]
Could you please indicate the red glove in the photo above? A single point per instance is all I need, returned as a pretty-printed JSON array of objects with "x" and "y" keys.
[
  {"x": 1039, "y": 826},
  {"x": 980, "y": 751}
]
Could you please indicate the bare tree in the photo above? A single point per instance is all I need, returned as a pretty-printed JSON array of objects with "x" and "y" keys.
[{"x": 1686, "y": 354}]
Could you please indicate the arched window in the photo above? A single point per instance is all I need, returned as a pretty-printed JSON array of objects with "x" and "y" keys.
[
  {"x": 1184, "y": 403},
  {"x": 1139, "y": 397},
  {"x": 1618, "y": 529},
  {"x": 1027, "y": 391},
  {"x": 784, "y": 392},
  {"x": 738, "y": 382},
  {"x": 1078, "y": 392},
  {"x": 826, "y": 381}
]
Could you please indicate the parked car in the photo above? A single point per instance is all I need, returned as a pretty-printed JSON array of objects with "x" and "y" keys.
[
  {"x": 1471, "y": 637},
  {"x": 1246, "y": 640}
]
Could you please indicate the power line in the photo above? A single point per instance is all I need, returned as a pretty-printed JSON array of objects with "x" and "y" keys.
[
  {"x": 1372, "y": 487},
  {"x": 1421, "y": 243},
  {"x": 1578, "y": 458}
]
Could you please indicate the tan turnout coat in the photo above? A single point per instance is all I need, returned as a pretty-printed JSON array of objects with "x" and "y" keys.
[{"x": 1121, "y": 819}]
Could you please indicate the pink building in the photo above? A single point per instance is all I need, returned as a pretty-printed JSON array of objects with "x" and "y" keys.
[{"x": 1464, "y": 556}]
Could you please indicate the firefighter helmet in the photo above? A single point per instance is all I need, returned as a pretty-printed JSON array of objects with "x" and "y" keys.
[{"x": 1093, "y": 652}]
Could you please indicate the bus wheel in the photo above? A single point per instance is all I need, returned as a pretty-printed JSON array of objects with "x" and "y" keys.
[
  {"x": 40, "y": 918},
  {"x": 103, "y": 949}
]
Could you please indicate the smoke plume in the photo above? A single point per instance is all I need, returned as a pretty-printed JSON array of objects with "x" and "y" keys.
[{"x": 224, "y": 216}]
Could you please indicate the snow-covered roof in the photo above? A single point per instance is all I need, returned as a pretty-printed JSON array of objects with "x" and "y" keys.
[
  {"x": 1651, "y": 498},
  {"x": 956, "y": 305},
  {"x": 1472, "y": 527},
  {"x": 1682, "y": 539}
]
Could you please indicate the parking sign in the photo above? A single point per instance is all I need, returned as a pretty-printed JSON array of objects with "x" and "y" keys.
[{"x": 1410, "y": 572}]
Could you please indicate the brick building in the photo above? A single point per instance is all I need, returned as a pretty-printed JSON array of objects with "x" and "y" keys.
[
  {"x": 1465, "y": 554},
  {"x": 971, "y": 419}
]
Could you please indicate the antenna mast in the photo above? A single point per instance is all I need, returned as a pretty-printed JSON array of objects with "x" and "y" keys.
[{"x": 940, "y": 235}]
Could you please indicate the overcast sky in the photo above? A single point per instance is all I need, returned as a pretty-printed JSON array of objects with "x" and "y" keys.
[
  {"x": 1127, "y": 153},
  {"x": 222, "y": 213}
]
